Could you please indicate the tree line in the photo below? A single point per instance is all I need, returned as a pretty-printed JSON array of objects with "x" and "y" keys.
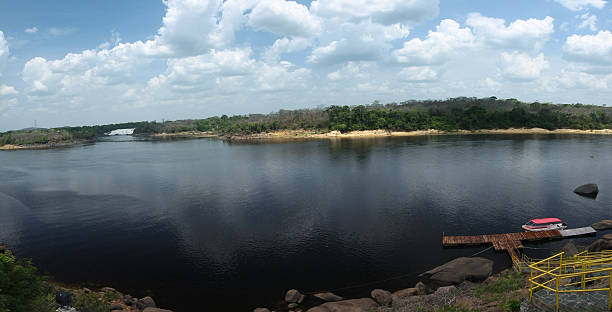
[{"x": 466, "y": 113}]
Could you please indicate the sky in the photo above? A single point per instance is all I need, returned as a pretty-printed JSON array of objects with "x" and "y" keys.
[{"x": 72, "y": 62}]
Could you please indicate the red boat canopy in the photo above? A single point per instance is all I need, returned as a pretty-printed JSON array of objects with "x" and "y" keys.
[{"x": 546, "y": 220}]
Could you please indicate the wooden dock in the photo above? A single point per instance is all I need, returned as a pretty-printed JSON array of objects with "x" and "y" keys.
[{"x": 512, "y": 241}]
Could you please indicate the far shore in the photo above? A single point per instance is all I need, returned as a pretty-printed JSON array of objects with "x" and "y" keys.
[
  {"x": 314, "y": 134},
  {"x": 283, "y": 135}
]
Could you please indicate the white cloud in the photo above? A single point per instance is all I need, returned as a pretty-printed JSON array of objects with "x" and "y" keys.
[
  {"x": 581, "y": 80},
  {"x": 339, "y": 51},
  {"x": 282, "y": 77},
  {"x": 61, "y": 31},
  {"x": 190, "y": 27},
  {"x": 438, "y": 47},
  {"x": 287, "y": 18},
  {"x": 520, "y": 66},
  {"x": 418, "y": 74},
  {"x": 351, "y": 71},
  {"x": 31, "y": 30},
  {"x": 577, "y": 5},
  {"x": 589, "y": 21},
  {"x": 7, "y": 90},
  {"x": 528, "y": 34},
  {"x": 284, "y": 45},
  {"x": 384, "y": 12},
  {"x": 593, "y": 49},
  {"x": 4, "y": 51}
]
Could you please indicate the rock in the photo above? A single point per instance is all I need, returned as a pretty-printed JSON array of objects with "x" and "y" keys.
[
  {"x": 2, "y": 249},
  {"x": 146, "y": 302},
  {"x": 327, "y": 296},
  {"x": 445, "y": 290},
  {"x": 62, "y": 298},
  {"x": 381, "y": 296},
  {"x": 116, "y": 306},
  {"x": 353, "y": 305},
  {"x": 86, "y": 290},
  {"x": 422, "y": 289},
  {"x": 404, "y": 293},
  {"x": 128, "y": 300},
  {"x": 261, "y": 310},
  {"x": 155, "y": 310},
  {"x": 600, "y": 244},
  {"x": 607, "y": 236},
  {"x": 292, "y": 305},
  {"x": 602, "y": 225},
  {"x": 570, "y": 249},
  {"x": 589, "y": 190},
  {"x": 457, "y": 271},
  {"x": 110, "y": 289},
  {"x": 293, "y": 296}
]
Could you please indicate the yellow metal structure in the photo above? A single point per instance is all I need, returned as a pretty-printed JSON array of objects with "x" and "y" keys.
[{"x": 566, "y": 274}]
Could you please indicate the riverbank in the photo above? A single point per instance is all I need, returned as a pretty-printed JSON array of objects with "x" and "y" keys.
[
  {"x": 292, "y": 135},
  {"x": 14, "y": 147},
  {"x": 314, "y": 134}
]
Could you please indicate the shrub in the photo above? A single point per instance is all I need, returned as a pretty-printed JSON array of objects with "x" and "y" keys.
[{"x": 21, "y": 290}]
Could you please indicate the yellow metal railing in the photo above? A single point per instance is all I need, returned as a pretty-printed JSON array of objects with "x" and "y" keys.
[{"x": 559, "y": 272}]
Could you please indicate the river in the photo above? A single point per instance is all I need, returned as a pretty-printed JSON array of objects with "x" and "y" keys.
[{"x": 210, "y": 225}]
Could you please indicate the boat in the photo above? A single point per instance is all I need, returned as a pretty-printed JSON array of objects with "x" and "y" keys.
[{"x": 545, "y": 224}]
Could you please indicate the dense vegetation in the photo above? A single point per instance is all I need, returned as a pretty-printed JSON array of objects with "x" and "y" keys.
[
  {"x": 60, "y": 135},
  {"x": 21, "y": 289},
  {"x": 446, "y": 115}
]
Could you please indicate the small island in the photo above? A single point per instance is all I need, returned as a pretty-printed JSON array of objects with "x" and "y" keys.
[{"x": 462, "y": 115}]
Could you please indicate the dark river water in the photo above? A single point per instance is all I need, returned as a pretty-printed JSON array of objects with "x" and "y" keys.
[{"x": 206, "y": 225}]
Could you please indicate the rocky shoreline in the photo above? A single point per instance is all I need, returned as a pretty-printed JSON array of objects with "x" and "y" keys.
[{"x": 71, "y": 300}]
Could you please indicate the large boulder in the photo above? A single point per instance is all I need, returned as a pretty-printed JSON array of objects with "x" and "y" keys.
[
  {"x": 570, "y": 249},
  {"x": 602, "y": 225},
  {"x": 327, "y": 296},
  {"x": 381, "y": 296},
  {"x": 353, "y": 305},
  {"x": 457, "y": 271},
  {"x": 589, "y": 190},
  {"x": 146, "y": 302},
  {"x": 603, "y": 243},
  {"x": 293, "y": 296}
]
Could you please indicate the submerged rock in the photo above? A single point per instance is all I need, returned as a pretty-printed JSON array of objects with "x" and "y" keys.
[
  {"x": 457, "y": 271},
  {"x": 155, "y": 310},
  {"x": 327, "y": 296},
  {"x": 261, "y": 310},
  {"x": 570, "y": 249},
  {"x": 353, "y": 305},
  {"x": 603, "y": 243},
  {"x": 588, "y": 190},
  {"x": 381, "y": 296},
  {"x": 602, "y": 225}
]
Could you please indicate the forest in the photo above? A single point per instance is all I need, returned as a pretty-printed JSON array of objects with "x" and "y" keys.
[
  {"x": 461, "y": 113},
  {"x": 446, "y": 115}
]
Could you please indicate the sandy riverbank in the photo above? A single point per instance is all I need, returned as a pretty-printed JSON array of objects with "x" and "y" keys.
[
  {"x": 13, "y": 147},
  {"x": 309, "y": 134}
]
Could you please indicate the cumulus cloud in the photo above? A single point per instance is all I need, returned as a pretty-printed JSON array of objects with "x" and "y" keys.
[
  {"x": 528, "y": 34},
  {"x": 418, "y": 74},
  {"x": 593, "y": 49},
  {"x": 4, "y": 51},
  {"x": 284, "y": 45},
  {"x": 520, "y": 66},
  {"x": 287, "y": 18},
  {"x": 438, "y": 47},
  {"x": 386, "y": 12},
  {"x": 7, "y": 90},
  {"x": 577, "y": 5},
  {"x": 581, "y": 80},
  {"x": 31, "y": 30}
]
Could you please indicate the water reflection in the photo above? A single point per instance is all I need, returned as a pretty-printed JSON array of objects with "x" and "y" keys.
[{"x": 206, "y": 219}]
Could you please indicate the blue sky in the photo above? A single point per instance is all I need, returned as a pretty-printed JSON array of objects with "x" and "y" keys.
[{"x": 83, "y": 62}]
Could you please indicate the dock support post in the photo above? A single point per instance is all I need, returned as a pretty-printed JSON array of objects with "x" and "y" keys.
[
  {"x": 557, "y": 294},
  {"x": 531, "y": 285},
  {"x": 610, "y": 294}
]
